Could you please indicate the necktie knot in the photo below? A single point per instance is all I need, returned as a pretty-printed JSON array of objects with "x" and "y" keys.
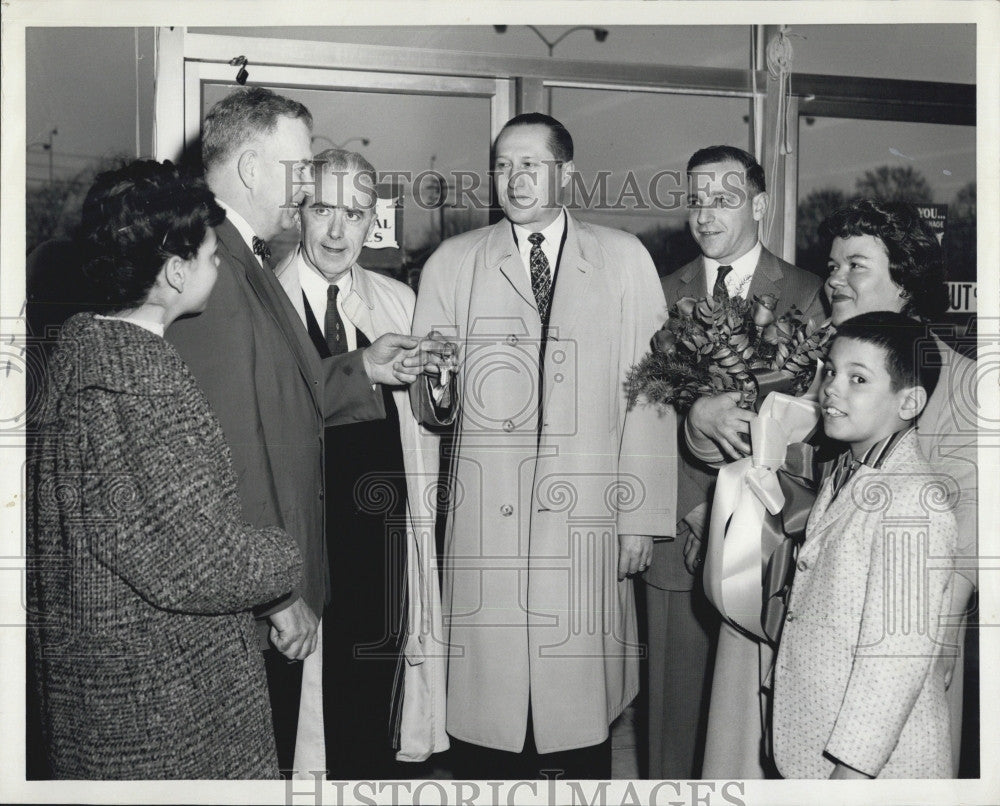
[
  {"x": 536, "y": 238},
  {"x": 719, "y": 289},
  {"x": 261, "y": 248},
  {"x": 332, "y": 291}
]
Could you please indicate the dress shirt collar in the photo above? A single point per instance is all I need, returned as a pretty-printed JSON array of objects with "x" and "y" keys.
[
  {"x": 876, "y": 455},
  {"x": 738, "y": 280},
  {"x": 844, "y": 467},
  {"x": 242, "y": 227},
  {"x": 550, "y": 246},
  {"x": 315, "y": 285}
]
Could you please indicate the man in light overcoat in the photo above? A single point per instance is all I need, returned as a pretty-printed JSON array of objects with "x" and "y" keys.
[{"x": 557, "y": 488}]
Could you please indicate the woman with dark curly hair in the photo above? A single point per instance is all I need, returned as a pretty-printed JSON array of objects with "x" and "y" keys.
[
  {"x": 147, "y": 572},
  {"x": 885, "y": 257}
]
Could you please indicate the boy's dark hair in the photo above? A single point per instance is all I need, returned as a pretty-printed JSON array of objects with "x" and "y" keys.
[
  {"x": 754, "y": 173},
  {"x": 560, "y": 140},
  {"x": 242, "y": 116},
  {"x": 916, "y": 264},
  {"x": 912, "y": 357},
  {"x": 134, "y": 218}
]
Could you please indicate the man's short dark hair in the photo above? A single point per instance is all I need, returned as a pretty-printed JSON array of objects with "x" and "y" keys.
[
  {"x": 916, "y": 263},
  {"x": 912, "y": 357},
  {"x": 242, "y": 116},
  {"x": 754, "y": 173},
  {"x": 560, "y": 140}
]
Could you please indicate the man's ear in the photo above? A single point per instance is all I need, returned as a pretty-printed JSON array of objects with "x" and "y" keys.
[
  {"x": 911, "y": 402},
  {"x": 174, "y": 273},
  {"x": 759, "y": 205},
  {"x": 568, "y": 169},
  {"x": 248, "y": 166}
]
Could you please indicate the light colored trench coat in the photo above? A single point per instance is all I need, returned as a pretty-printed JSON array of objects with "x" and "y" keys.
[
  {"x": 379, "y": 305},
  {"x": 531, "y": 596}
]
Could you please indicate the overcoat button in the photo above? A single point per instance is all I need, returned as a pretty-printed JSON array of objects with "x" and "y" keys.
[
  {"x": 803, "y": 565},
  {"x": 506, "y": 510},
  {"x": 512, "y": 340},
  {"x": 789, "y": 616},
  {"x": 508, "y": 425}
]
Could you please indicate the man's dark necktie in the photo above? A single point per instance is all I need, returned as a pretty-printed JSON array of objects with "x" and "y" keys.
[
  {"x": 261, "y": 249},
  {"x": 541, "y": 280},
  {"x": 719, "y": 289},
  {"x": 336, "y": 336}
]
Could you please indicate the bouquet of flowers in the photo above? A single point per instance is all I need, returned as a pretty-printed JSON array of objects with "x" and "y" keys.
[{"x": 724, "y": 344}]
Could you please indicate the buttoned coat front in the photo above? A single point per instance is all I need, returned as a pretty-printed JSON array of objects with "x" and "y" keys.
[{"x": 531, "y": 598}]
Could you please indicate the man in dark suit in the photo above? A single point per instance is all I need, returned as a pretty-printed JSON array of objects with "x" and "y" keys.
[
  {"x": 727, "y": 200},
  {"x": 271, "y": 391}
]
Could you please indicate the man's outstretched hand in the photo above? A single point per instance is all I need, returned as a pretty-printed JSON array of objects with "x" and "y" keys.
[{"x": 395, "y": 359}]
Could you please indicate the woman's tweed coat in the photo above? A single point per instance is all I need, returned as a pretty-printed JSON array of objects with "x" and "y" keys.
[{"x": 145, "y": 570}]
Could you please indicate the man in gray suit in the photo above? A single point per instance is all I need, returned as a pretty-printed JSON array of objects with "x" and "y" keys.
[
  {"x": 727, "y": 200},
  {"x": 261, "y": 373}
]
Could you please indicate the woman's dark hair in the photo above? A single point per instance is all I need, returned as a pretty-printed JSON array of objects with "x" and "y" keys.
[
  {"x": 137, "y": 216},
  {"x": 916, "y": 264}
]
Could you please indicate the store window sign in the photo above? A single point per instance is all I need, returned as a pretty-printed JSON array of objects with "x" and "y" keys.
[
  {"x": 383, "y": 234},
  {"x": 961, "y": 294},
  {"x": 936, "y": 215},
  {"x": 962, "y": 297}
]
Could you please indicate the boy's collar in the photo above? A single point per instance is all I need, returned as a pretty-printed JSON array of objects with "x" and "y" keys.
[
  {"x": 876, "y": 455},
  {"x": 843, "y": 468}
]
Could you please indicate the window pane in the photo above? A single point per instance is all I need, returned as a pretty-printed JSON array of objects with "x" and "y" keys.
[
  {"x": 910, "y": 52},
  {"x": 450, "y": 135},
  {"x": 931, "y": 165},
  {"x": 638, "y": 144}
]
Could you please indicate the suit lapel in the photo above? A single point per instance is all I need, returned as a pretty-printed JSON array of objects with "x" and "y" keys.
[
  {"x": 360, "y": 303},
  {"x": 580, "y": 256},
  {"x": 690, "y": 282},
  {"x": 501, "y": 253},
  {"x": 767, "y": 278},
  {"x": 287, "y": 273},
  {"x": 275, "y": 302}
]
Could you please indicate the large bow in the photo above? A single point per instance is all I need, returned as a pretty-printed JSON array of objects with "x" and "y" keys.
[{"x": 761, "y": 505}]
